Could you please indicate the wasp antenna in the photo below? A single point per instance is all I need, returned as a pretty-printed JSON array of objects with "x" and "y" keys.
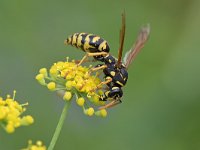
[
  {"x": 111, "y": 104},
  {"x": 122, "y": 36}
]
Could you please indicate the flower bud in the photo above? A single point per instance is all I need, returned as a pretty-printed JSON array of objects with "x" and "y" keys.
[
  {"x": 51, "y": 86},
  {"x": 67, "y": 96},
  {"x": 80, "y": 101},
  {"x": 89, "y": 111}
]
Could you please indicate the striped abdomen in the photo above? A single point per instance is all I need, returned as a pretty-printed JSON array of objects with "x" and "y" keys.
[{"x": 88, "y": 42}]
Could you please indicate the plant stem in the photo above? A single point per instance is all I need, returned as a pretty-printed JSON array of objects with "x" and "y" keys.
[{"x": 59, "y": 126}]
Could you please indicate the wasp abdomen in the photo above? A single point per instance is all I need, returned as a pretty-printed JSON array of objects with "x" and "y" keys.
[{"x": 88, "y": 42}]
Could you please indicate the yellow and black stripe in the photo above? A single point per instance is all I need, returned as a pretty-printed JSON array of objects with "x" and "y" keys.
[{"x": 88, "y": 42}]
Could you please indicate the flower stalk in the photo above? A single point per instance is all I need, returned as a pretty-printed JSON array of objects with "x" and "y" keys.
[
  {"x": 59, "y": 126},
  {"x": 69, "y": 80}
]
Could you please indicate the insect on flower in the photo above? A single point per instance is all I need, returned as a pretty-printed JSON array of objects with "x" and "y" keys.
[{"x": 115, "y": 70}]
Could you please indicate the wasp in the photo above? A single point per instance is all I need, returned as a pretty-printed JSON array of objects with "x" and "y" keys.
[{"x": 116, "y": 71}]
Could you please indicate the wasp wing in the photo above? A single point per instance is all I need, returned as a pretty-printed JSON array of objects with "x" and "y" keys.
[{"x": 137, "y": 46}]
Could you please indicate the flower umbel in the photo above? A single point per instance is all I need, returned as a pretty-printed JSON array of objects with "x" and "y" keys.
[
  {"x": 69, "y": 79},
  {"x": 38, "y": 146},
  {"x": 10, "y": 114}
]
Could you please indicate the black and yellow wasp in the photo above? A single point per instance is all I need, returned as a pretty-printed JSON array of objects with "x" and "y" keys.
[{"x": 115, "y": 71}]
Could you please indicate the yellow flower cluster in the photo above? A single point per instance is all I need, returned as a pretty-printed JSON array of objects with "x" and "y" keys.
[
  {"x": 73, "y": 79},
  {"x": 10, "y": 114},
  {"x": 38, "y": 146}
]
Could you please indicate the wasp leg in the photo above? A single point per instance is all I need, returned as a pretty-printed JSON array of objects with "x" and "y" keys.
[
  {"x": 98, "y": 68},
  {"x": 90, "y": 55},
  {"x": 111, "y": 104},
  {"x": 97, "y": 54},
  {"x": 82, "y": 60},
  {"x": 102, "y": 83},
  {"x": 105, "y": 82}
]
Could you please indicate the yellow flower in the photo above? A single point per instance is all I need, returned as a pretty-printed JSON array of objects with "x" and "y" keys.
[
  {"x": 53, "y": 71},
  {"x": 89, "y": 111},
  {"x": 43, "y": 71},
  {"x": 38, "y": 146},
  {"x": 80, "y": 101},
  {"x": 67, "y": 96},
  {"x": 69, "y": 85},
  {"x": 27, "y": 120},
  {"x": 10, "y": 128},
  {"x": 10, "y": 114},
  {"x": 51, "y": 86},
  {"x": 40, "y": 79},
  {"x": 73, "y": 79},
  {"x": 101, "y": 113}
]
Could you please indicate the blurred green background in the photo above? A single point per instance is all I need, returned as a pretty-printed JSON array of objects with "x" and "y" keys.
[{"x": 161, "y": 103}]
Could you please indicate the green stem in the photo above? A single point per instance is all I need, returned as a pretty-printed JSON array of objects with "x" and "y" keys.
[{"x": 59, "y": 126}]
